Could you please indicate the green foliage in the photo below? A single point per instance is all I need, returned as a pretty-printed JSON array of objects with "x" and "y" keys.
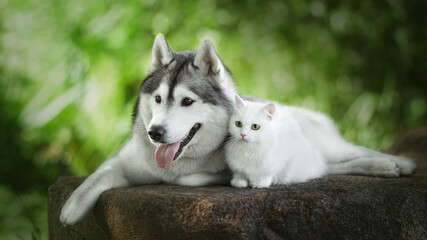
[
  {"x": 70, "y": 70},
  {"x": 23, "y": 216}
]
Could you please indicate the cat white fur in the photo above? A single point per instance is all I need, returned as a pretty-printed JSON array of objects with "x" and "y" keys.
[{"x": 274, "y": 153}]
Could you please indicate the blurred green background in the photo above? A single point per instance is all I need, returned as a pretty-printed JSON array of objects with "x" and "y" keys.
[{"x": 70, "y": 72}]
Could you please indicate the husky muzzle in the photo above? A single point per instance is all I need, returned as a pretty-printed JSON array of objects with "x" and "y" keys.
[{"x": 167, "y": 153}]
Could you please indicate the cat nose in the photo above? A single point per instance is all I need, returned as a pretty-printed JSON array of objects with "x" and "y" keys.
[{"x": 243, "y": 135}]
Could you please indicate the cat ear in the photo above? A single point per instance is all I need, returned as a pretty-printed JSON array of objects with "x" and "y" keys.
[
  {"x": 162, "y": 55},
  {"x": 239, "y": 102},
  {"x": 208, "y": 62},
  {"x": 270, "y": 109}
]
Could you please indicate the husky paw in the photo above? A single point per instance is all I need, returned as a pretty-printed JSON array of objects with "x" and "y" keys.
[
  {"x": 72, "y": 211},
  {"x": 406, "y": 166},
  {"x": 388, "y": 169},
  {"x": 239, "y": 183}
]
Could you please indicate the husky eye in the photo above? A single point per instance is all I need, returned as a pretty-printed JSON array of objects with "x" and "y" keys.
[
  {"x": 187, "y": 102},
  {"x": 158, "y": 99},
  {"x": 239, "y": 124},
  {"x": 255, "y": 127}
]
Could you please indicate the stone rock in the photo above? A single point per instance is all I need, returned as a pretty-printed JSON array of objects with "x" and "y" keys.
[{"x": 334, "y": 207}]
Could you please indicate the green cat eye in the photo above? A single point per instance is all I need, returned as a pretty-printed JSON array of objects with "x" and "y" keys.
[
  {"x": 255, "y": 127},
  {"x": 239, "y": 124}
]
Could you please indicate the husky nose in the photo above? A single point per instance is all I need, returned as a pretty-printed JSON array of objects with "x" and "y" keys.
[{"x": 156, "y": 133}]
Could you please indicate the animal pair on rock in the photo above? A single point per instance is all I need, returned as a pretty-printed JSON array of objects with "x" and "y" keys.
[{"x": 181, "y": 125}]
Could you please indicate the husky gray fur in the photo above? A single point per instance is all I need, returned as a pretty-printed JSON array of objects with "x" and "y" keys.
[{"x": 180, "y": 126}]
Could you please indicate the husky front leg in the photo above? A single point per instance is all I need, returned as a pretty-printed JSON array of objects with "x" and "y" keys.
[{"x": 107, "y": 176}]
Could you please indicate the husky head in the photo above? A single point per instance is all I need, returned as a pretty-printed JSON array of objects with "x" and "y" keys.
[{"x": 185, "y": 102}]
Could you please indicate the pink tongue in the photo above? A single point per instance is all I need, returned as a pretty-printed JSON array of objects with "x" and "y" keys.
[{"x": 165, "y": 154}]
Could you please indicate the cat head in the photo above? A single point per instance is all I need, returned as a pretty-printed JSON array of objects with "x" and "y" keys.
[{"x": 252, "y": 122}]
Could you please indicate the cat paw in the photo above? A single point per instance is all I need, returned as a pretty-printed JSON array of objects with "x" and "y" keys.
[
  {"x": 239, "y": 183},
  {"x": 261, "y": 183}
]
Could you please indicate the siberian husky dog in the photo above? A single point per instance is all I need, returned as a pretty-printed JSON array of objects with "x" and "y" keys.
[{"x": 180, "y": 125}]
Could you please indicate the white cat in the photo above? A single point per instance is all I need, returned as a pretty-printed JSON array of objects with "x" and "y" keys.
[{"x": 262, "y": 153}]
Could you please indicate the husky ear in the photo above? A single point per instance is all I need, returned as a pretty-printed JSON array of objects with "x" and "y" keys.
[
  {"x": 208, "y": 61},
  {"x": 161, "y": 55},
  {"x": 239, "y": 102},
  {"x": 269, "y": 109}
]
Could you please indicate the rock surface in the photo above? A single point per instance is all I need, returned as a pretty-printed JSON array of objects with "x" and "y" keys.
[{"x": 334, "y": 207}]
